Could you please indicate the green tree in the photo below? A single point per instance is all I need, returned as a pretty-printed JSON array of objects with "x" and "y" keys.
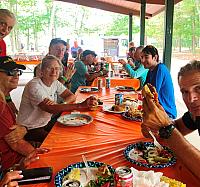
[{"x": 120, "y": 26}]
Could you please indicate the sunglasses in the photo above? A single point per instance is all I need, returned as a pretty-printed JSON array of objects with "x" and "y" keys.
[{"x": 14, "y": 72}]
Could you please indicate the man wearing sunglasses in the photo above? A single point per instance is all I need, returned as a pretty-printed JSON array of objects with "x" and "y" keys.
[{"x": 12, "y": 144}]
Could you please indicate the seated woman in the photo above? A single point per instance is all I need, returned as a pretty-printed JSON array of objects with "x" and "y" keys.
[
  {"x": 39, "y": 100},
  {"x": 159, "y": 76}
]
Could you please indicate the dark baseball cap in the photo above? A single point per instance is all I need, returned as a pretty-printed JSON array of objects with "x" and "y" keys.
[
  {"x": 88, "y": 52},
  {"x": 7, "y": 63},
  {"x": 55, "y": 41}
]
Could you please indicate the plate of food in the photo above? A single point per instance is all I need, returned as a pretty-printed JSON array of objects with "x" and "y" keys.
[
  {"x": 116, "y": 109},
  {"x": 76, "y": 175},
  {"x": 133, "y": 114},
  {"x": 125, "y": 88},
  {"x": 89, "y": 90},
  {"x": 146, "y": 154},
  {"x": 75, "y": 119}
]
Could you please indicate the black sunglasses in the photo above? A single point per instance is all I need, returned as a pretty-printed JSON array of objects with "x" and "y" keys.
[{"x": 14, "y": 72}]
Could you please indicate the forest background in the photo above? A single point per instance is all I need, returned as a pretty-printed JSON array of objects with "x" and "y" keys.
[{"x": 40, "y": 20}]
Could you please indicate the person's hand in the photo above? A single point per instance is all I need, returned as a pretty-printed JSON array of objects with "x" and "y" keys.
[
  {"x": 47, "y": 101},
  {"x": 18, "y": 132},
  {"x": 8, "y": 179},
  {"x": 122, "y": 61},
  {"x": 131, "y": 63},
  {"x": 32, "y": 157},
  {"x": 154, "y": 116},
  {"x": 69, "y": 72},
  {"x": 105, "y": 72},
  {"x": 90, "y": 103}
]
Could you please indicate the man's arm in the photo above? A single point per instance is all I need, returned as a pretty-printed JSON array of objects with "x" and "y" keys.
[
  {"x": 91, "y": 77},
  {"x": 181, "y": 127},
  {"x": 68, "y": 96},
  {"x": 135, "y": 73},
  {"x": 22, "y": 147},
  {"x": 189, "y": 155},
  {"x": 56, "y": 108}
]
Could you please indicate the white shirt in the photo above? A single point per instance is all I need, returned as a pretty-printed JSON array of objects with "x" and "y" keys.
[{"x": 30, "y": 115}]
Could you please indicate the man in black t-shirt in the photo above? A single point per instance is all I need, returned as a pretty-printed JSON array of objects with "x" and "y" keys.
[{"x": 172, "y": 132}]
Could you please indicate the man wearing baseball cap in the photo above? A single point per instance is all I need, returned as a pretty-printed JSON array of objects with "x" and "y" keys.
[
  {"x": 81, "y": 75},
  {"x": 12, "y": 145},
  {"x": 8, "y": 65},
  {"x": 11, "y": 68}
]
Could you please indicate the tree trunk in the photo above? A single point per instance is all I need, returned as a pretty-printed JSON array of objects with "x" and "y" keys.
[
  {"x": 179, "y": 43},
  {"x": 193, "y": 36}
]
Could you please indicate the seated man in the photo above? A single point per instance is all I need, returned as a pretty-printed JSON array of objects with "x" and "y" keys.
[
  {"x": 172, "y": 133},
  {"x": 39, "y": 100},
  {"x": 12, "y": 144},
  {"x": 82, "y": 75},
  {"x": 57, "y": 48},
  {"x": 135, "y": 69}
]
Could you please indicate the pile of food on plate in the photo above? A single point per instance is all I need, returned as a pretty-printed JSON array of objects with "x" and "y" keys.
[
  {"x": 133, "y": 113},
  {"x": 119, "y": 108},
  {"x": 102, "y": 177},
  {"x": 128, "y": 102},
  {"x": 150, "y": 155}
]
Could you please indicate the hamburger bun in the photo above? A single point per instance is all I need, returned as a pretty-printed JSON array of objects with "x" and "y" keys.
[{"x": 150, "y": 91}]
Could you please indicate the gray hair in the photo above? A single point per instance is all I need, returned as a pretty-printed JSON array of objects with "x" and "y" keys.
[
  {"x": 6, "y": 12},
  {"x": 192, "y": 65},
  {"x": 47, "y": 59}
]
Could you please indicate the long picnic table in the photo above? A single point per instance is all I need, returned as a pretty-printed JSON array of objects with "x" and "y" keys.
[{"x": 103, "y": 140}]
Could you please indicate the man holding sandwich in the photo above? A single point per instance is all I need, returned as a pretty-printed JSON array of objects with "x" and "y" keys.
[{"x": 173, "y": 132}]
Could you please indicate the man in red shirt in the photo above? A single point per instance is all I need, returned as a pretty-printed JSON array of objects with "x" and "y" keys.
[
  {"x": 12, "y": 144},
  {"x": 7, "y": 22}
]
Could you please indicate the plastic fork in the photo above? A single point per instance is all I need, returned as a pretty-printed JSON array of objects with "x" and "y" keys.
[
  {"x": 88, "y": 172},
  {"x": 156, "y": 143}
]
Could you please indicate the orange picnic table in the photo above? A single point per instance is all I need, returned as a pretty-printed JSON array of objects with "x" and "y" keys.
[
  {"x": 103, "y": 140},
  {"x": 118, "y": 81}
]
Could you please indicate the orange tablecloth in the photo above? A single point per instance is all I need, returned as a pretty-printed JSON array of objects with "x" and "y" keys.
[
  {"x": 117, "y": 81},
  {"x": 26, "y": 62},
  {"x": 102, "y": 140}
]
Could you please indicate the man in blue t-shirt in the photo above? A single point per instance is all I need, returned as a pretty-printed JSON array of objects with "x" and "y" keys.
[{"x": 159, "y": 76}]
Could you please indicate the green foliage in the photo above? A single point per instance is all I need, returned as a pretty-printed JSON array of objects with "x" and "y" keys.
[
  {"x": 120, "y": 25},
  {"x": 36, "y": 18}
]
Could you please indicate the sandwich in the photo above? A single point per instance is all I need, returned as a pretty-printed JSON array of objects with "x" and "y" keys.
[{"x": 150, "y": 91}]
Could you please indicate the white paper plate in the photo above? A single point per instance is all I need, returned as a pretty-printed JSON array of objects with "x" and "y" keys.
[
  {"x": 88, "y": 90},
  {"x": 75, "y": 119},
  {"x": 108, "y": 108}
]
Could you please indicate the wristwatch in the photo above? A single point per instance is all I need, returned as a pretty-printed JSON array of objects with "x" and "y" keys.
[{"x": 166, "y": 132}]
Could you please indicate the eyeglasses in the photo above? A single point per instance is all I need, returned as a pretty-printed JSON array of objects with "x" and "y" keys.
[
  {"x": 50, "y": 69},
  {"x": 14, "y": 72}
]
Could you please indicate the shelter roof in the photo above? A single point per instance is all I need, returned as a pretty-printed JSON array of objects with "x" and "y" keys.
[{"x": 128, "y": 7}]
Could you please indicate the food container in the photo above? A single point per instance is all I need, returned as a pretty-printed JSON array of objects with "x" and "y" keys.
[
  {"x": 99, "y": 84},
  {"x": 107, "y": 82},
  {"x": 123, "y": 177},
  {"x": 119, "y": 97}
]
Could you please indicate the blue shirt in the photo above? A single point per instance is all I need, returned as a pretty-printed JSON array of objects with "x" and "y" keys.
[
  {"x": 140, "y": 72},
  {"x": 161, "y": 79},
  {"x": 78, "y": 79}
]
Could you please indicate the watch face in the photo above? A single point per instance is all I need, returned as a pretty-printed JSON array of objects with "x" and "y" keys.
[{"x": 166, "y": 132}]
